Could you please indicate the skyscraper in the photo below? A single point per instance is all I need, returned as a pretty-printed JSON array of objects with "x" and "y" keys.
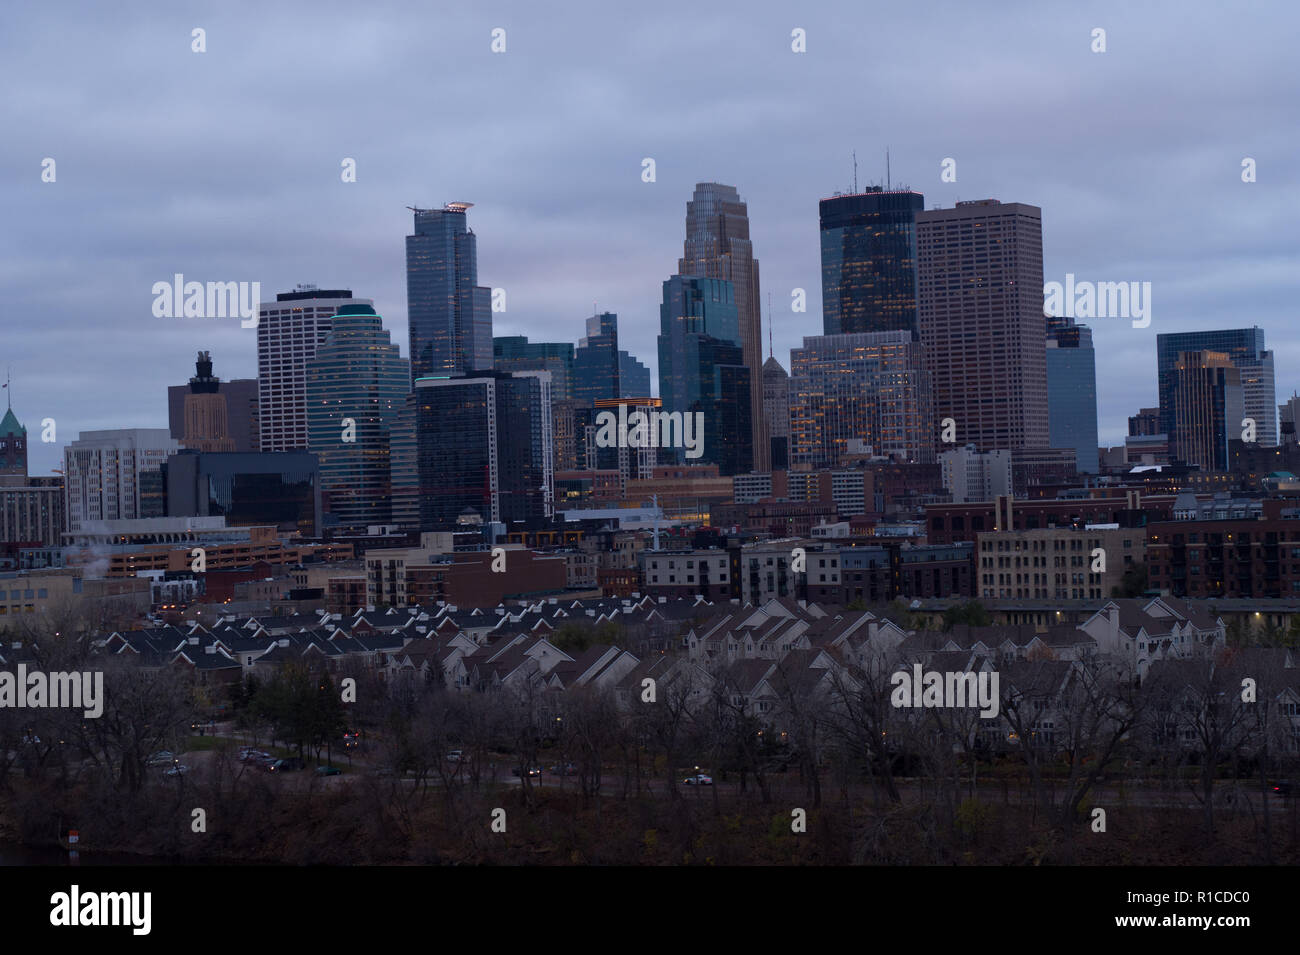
[
  {"x": 596, "y": 366},
  {"x": 718, "y": 246},
  {"x": 1245, "y": 349},
  {"x": 702, "y": 368},
  {"x": 449, "y": 313},
  {"x": 633, "y": 377},
  {"x": 289, "y": 330},
  {"x": 1206, "y": 397},
  {"x": 1072, "y": 391},
  {"x": 207, "y": 424},
  {"x": 116, "y": 475},
  {"x": 484, "y": 448},
  {"x": 980, "y": 313},
  {"x": 356, "y": 387},
  {"x": 241, "y": 399},
  {"x": 776, "y": 411},
  {"x": 517, "y": 353},
  {"x": 869, "y": 261},
  {"x": 869, "y": 389}
]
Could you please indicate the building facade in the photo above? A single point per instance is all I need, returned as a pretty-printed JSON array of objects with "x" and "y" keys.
[{"x": 449, "y": 313}]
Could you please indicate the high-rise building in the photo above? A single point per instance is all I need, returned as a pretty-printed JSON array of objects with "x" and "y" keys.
[
  {"x": 869, "y": 261},
  {"x": 852, "y": 392},
  {"x": 517, "y": 353},
  {"x": 973, "y": 476},
  {"x": 1288, "y": 416},
  {"x": 206, "y": 422},
  {"x": 980, "y": 312},
  {"x": 449, "y": 313},
  {"x": 718, "y": 246},
  {"x": 1207, "y": 400},
  {"x": 1145, "y": 422},
  {"x": 776, "y": 411},
  {"x": 115, "y": 475},
  {"x": 633, "y": 377},
  {"x": 484, "y": 448},
  {"x": 1072, "y": 391},
  {"x": 702, "y": 369},
  {"x": 289, "y": 330},
  {"x": 31, "y": 508},
  {"x": 356, "y": 387},
  {"x": 596, "y": 365},
  {"x": 1245, "y": 349},
  {"x": 241, "y": 400}
]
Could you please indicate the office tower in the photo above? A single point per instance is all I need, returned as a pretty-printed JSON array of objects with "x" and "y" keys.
[
  {"x": 1288, "y": 415},
  {"x": 574, "y": 422},
  {"x": 484, "y": 448},
  {"x": 1145, "y": 422},
  {"x": 718, "y": 246},
  {"x": 289, "y": 330},
  {"x": 278, "y": 488},
  {"x": 449, "y": 313},
  {"x": 206, "y": 423},
  {"x": 356, "y": 386},
  {"x": 980, "y": 312},
  {"x": 1207, "y": 401},
  {"x": 776, "y": 411},
  {"x": 1245, "y": 349},
  {"x": 869, "y": 261},
  {"x": 851, "y": 392},
  {"x": 702, "y": 369},
  {"x": 13, "y": 451},
  {"x": 596, "y": 365},
  {"x": 241, "y": 400},
  {"x": 1072, "y": 391},
  {"x": 517, "y": 353},
  {"x": 115, "y": 475},
  {"x": 633, "y": 377},
  {"x": 404, "y": 466}
]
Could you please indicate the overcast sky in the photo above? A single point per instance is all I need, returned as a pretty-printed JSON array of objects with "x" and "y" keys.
[{"x": 225, "y": 165}]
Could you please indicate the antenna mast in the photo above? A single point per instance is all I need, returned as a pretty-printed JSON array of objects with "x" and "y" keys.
[
  {"x": 855, "y": 172},
  {"x": 888, "y": 181}
]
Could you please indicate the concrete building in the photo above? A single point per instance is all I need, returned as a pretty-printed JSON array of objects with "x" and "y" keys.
[
  {"x": 289, "y": 330},
  {"x": 116, "y": 475},
  {"x": 980, "y": 314},
  {"x": 970, "y": 475}
]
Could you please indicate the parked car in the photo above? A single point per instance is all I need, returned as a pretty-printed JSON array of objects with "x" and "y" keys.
[
  {"x": 568, "y": 769},
  {"x": 328, "y": 771},
  {"x": 180, "y": 769},
  {"x": 1283, "y": 787},
  {"x": 699, "y": 779},
  {"x": 164, "y": 757},
  {"x": 285, "y": 765},
  {"x": 457, "y": 756}
]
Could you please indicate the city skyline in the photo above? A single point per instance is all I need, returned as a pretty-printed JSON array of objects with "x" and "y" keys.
[{"x": 1116, "y": 206}]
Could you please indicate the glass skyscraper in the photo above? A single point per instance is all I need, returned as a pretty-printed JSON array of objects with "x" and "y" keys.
[
  {"x": 517, "y": 353},
  {"x": 449, "y": 313},
  {"x": 869, "y": 261},
  {"x": 702, "y": 368},
  {"x": 484, "y": 449},
  {"x": 596, "y": 362},
  {"x": 357, "y": 375},
  {"x": 870, "y": 388},
  {"x": 1245, "y": 349},
  {"x": 718, "y": 246},
  {"x": 1072, "y": 391}
]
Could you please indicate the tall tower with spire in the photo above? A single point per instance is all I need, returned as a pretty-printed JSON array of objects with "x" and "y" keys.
[{"x": 13, "y": 447}]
